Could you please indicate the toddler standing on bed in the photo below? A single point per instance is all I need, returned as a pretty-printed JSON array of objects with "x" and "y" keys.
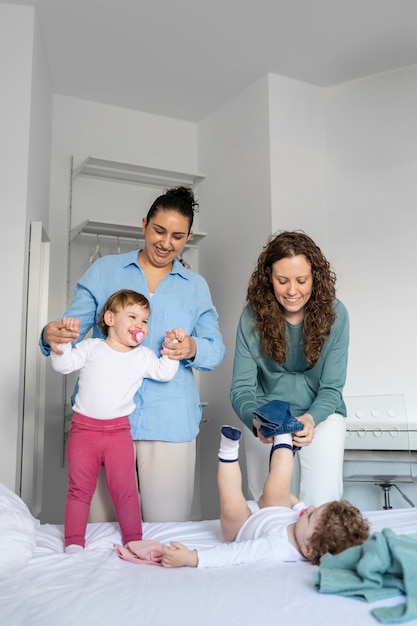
[
  {"x": 111, "y": 371},
  {"x": 277, "y": 528}
]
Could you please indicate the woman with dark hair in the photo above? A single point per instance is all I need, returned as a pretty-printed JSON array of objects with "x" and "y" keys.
[
  {"x": 292, "y": 345},
  {"x": 165, "y": 422}
]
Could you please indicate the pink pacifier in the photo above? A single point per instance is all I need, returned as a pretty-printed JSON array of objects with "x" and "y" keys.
[
  {"x": 138, "y": 335},
  {"x": 303, "y": 511}
]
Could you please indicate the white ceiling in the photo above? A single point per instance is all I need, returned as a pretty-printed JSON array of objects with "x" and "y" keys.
[{"x": 184, "y": 58}]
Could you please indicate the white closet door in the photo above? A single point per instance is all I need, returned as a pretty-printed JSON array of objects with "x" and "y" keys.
[{"x": 35, "y": 363}]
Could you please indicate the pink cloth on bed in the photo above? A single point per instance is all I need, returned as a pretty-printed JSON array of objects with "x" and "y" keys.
[{"x": 146, "y": 552}]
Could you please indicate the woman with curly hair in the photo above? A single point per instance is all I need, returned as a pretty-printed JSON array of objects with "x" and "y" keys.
[{"x": 292, "y": 345}]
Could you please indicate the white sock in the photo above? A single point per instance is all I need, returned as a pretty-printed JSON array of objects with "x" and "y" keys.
[
  {"x": 283, "y": 438},
  {"x": 229, "y": 444}
]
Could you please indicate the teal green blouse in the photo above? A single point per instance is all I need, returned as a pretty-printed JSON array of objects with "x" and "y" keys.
[{"x": 257, "y": 379}]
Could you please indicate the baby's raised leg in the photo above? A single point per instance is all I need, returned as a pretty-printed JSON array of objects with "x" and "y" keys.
[
  {"x": 277, "y": 488},
  {"x": 234, "y": 510}
]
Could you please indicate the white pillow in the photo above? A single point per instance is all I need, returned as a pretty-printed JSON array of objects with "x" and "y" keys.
[{"x": 17, "y": 532}]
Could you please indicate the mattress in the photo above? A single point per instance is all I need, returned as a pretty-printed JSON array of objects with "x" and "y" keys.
[{"x": 97, "y": 588}]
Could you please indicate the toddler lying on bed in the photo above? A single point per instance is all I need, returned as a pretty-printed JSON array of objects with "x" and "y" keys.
[{"x": 279, "y": 527}]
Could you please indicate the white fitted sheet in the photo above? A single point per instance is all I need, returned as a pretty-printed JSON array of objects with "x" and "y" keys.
[{"x": 96, "y": 588}]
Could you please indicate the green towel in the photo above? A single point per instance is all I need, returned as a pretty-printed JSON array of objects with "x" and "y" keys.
[{"x": 383, "y": 567}]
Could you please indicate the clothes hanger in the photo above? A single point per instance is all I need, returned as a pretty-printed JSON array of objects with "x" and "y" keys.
[
  {"x": 184, "y": 263},
  {"x": 96, "y": 254}
]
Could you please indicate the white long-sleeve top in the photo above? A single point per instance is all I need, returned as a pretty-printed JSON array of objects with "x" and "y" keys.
[
  {"x": 263, "y": 537},
  {"x": 109, "y": 379}
]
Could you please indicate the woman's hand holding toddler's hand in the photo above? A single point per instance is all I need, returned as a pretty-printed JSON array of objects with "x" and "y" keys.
[
  {"x": 62, "y": 331},
  {"x": 178, "y": 345}
]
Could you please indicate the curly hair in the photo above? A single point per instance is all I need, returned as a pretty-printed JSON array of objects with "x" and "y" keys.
[
  {"x": 120, "y": 300},
  {"x": 340, "y": 525},
  {"x": 179, "y": 199},
  {"x": 319, "y": 314}
]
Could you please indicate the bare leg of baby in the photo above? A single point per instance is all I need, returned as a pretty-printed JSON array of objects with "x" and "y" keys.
[
  {"x": 234, "y": 510},
  {"x": 277, "y": 488}
]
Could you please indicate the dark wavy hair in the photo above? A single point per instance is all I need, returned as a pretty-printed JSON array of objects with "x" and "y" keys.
[
  {"x": 180, "y": 199},
  {"x": 340, "y": 526},
  {"x": 319, "y": 313},
  {"x": 120, "y": 300}
]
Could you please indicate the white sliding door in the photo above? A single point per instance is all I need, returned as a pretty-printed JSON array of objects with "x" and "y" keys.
[{"x": 34, "y": 390}]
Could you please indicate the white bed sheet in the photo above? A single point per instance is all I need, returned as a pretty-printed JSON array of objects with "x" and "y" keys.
[{"x": 96, "y": 588}]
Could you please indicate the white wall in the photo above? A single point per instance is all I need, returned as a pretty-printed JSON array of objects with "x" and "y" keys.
[
  {"x": 25, "y": 129},
  {"x": 80, "y": 129},
  {"x": 372, "y": 193},
  {"x": 297, "y": 122},
  {"x": 236, "y": 213}
]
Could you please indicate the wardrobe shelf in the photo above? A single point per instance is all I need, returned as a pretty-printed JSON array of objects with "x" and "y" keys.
[
  {"x": 94, "y": 167},
  {"x": 111, "y": 230}
]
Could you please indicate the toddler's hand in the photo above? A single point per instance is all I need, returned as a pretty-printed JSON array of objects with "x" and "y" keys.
[
  {"x": 70, "y": 323},
  {"x": 177, "y": 555},
  {"x": 175, "y": 335}
]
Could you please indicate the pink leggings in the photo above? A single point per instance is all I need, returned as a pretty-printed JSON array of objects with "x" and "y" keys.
[{"x": 93, "y": 443}]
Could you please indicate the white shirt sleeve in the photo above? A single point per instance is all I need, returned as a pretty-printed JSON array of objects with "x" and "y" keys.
[
  {"x": 73, "y": 359},
  {"x": 272, "y": 548},
  {"x": 159, "y": 368}
]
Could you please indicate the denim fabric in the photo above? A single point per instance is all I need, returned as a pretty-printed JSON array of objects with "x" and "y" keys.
[{"x": 275, "y": 418}]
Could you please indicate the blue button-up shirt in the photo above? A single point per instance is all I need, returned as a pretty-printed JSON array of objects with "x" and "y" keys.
[{"x": 164, "y": 411}]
